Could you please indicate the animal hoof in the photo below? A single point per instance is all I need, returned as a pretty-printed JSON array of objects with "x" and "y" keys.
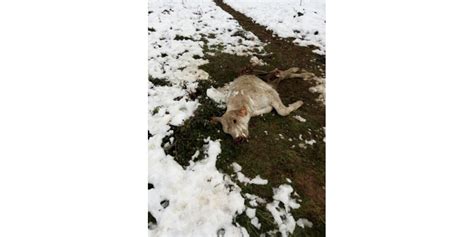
[{"x": 298, "y": 103}]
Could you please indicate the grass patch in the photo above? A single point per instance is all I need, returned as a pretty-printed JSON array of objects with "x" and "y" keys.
[
  {"x": 159, "y": 81},
  {"x": 180, "y": 37},
  {"x": 190, "y": 136}
]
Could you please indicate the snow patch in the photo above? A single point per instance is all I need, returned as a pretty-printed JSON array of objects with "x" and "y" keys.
[
  {"x": 250, "y": 212},
  {"x": 287, "y": 18},
  {"x": 303, "y": 222},
  {"x": 253, "y": 197},
  {"x": 244, "y": 179},
  {"x": 310, "y": 142},
  {"x": 198, "y": 195},
  {"x": 217, "y": 96},
  {"x": 254, "y": 221},
  {"x": 282, "y": 216},
  {"x": 236, "y": 167},
  {"x": 320, "y": 87},
  {"x": 254, "y": 61},
  {"x": 258, "y": 180},
  {"x": 299, "y": 118}
]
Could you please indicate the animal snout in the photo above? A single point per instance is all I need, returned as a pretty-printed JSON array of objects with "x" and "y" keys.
[{"x": 240, "y": 140}]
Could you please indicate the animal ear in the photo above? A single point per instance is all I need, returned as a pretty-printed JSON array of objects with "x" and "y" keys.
[
  {"x": 215, "y": 120},
  {"x": 243, "y": 111}
]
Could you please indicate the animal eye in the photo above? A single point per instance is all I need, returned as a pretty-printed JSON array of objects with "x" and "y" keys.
[{"x": 235, "y": 121}]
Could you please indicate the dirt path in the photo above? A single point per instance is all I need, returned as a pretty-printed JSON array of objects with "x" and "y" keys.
[{"x": 285, "y": 52}]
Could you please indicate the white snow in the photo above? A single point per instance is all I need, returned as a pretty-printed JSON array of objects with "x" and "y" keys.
[
  {"x": 299, "y": 118},
  {"x": 320, "y": 87},
  {"x": 236, "y": 167},
  {"x": 282, "y": 194},
  {"x": 250, "y": 212},
  {"x": 176, "y": 47},
  {"x": 253, "y": 203},
  {"x": 254, "y": 222},
  {"x": 244, "y": 179},
  {"x": 254, "y": 197},
  {"x": 310, "y": 142},
  {"x": 217, "y": 96},
  {"x": 254, "y": 61},
  {"x": 197, "y": 195},
  {"x": 287, "y": 18},
  {"x": 303, "y": 222},
  {"x": 171, "y": 107},
  {"x": 195, "y": 155},
  {"x": 282, "y": 216},
  {"x": 258, "y": 180}
]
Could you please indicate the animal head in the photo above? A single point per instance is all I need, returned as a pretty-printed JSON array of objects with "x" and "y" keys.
[{"x": 235, "y": 123}]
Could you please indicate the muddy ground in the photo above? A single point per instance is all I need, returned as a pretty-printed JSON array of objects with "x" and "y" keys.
[{"x": 266, "y": 153}]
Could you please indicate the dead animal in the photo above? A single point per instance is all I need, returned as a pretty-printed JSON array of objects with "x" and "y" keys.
[{"x": 248, "y": 96}]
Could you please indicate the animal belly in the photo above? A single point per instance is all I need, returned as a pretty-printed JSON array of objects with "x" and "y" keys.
[{"x": 259, "y": 102}]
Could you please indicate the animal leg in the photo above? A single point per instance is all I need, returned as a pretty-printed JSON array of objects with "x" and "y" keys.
[
  {"x": 262, "y": 111},
  {"x": 304, "y": 75},
  {"x": 282, "y": 109}
]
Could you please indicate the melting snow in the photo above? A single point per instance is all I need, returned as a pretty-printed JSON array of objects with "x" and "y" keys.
[
  {"x": 254, "y": 222},
  {"x": 255, "y": 198},
  {"x": 245, "y": 180},
  {"x": 282, "y": 216},
  {"x": 302, "y": 222},
  {"x": 217, "y": 96},
  {"x": 299, "y": 118},
  {"x": 320, "y": 88},
  {"x": 254, "y": 61},
  {"x": 258, "y": 180},
  {"x": 250, "y": 212},
  {"x": 175, "y": 47},
  {"x": 286, "y": 18},
  {"x": 236, "y": 167},
  {"x": 197, "y": 196}
]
